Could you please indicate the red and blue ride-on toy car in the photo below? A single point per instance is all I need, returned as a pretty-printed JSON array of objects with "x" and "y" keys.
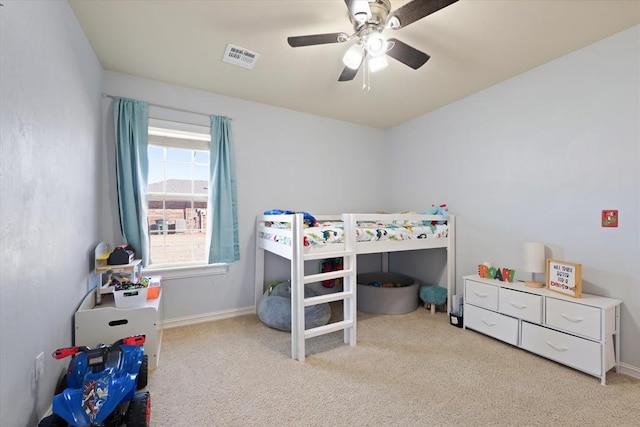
[{"x": 100, "y": 386}]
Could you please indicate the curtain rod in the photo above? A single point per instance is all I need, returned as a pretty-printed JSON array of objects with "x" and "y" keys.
[{"x": 105, "y": 95}]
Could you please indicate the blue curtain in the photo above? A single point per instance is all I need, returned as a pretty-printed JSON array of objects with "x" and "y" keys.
[
  {"x": 222, "y": 229},
  {"x": 132, "y": 166}
]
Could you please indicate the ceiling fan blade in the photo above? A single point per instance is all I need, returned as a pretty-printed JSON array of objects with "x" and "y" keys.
[
  {"x": 348, "y": 74},
  {"x": 407, "y": 55},
  {"x": 417, "y": 9},
  {"x": 314, "y": 39}
]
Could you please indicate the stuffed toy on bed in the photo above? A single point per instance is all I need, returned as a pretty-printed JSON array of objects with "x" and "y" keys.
[
  {"x": 439, "y": 210},
  {"x": 274, "y": 309},
  {"x": 309, "y": 220}
]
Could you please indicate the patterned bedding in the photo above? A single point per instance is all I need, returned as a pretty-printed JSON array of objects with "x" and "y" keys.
[{"x": 332, "y": 232}]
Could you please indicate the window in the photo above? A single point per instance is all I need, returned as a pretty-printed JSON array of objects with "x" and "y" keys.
[{"x": 178, "y": 187}]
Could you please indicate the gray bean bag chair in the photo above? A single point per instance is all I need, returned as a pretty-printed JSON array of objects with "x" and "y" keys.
[{"x": 274, "y": 309}]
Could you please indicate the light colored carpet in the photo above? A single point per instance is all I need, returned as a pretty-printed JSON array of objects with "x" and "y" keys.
[{"x": 407, "y": 370}]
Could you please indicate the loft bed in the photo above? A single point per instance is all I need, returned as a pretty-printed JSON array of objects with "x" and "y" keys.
[{"x": 297, "y": 239}]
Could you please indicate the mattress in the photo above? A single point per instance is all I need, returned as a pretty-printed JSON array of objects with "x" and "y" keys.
[{"x": 366, "y": 231}]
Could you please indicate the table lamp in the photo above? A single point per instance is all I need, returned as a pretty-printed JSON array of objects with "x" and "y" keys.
[{"x": 534, "y": 262}]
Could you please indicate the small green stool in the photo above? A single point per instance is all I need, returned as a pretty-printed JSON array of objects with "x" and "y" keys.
[{"x": 433, "y": 295}]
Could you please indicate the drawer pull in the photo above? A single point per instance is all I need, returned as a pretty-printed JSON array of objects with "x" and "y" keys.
[
  {"x": 519, "y": 307},
  {"x": 556, "y": 348},
  {"x": 480, "y": 295},
  {"x": 488, "y": 323},
  {"x": 571, "y": 319}
]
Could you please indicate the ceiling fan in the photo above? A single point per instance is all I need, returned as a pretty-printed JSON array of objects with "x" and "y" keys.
[{"x": 370, "y": 18}]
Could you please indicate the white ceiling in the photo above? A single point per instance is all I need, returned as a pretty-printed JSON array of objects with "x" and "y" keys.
[{"x": 473, "y": 44}]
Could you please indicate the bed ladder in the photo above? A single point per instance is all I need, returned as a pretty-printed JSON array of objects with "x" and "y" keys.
[{"x": 347, "y": 295}]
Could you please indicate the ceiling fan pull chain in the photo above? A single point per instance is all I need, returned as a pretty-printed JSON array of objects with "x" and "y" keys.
[
  {"x": 364, "y": 73},
  {"x": 366, "y": 77}
]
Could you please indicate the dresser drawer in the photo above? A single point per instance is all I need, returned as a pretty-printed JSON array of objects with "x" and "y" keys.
[
  {"x": 494, "y": 324},
  {"x": 576, "y": 352},
  {"x": 519, "y": 304},
  {"x": 574, "y": 318},
  {"x": 481, "y": 294}
]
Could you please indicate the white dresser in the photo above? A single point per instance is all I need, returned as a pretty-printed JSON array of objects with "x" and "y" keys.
[{"x": 583, "y": 333}]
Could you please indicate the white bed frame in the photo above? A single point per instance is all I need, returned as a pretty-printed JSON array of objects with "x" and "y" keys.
[{"x": 297, "y": 253}]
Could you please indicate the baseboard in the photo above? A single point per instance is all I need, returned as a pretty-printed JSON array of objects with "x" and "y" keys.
[
  {"x": 630, "y": 370},
  {"x": 208, "y": 317}
]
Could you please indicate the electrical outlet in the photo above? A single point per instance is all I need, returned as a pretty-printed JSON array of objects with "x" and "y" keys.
[{"x": 39, "y": 367}]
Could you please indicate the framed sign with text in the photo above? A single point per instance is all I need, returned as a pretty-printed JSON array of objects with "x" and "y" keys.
[{"x": 564, "y": 277}]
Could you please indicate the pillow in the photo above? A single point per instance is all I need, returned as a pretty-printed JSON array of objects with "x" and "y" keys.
[{"x": 274, "y": 309}]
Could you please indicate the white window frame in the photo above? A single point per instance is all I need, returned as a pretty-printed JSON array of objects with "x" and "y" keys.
[{"x": 189, "y": 137}]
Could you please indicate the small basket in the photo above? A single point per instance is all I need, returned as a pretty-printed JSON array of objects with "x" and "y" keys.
[{"x": 130, "y": 298}]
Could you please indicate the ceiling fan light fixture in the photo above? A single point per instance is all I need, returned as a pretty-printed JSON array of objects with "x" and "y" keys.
[
  {"x": 353, "y": 56},
  {"x": 393, "y": 22},
  {"x": 376, "y": 44},
  {"x": 361, "y": 10},
  {"x": 377, "y": 63}
]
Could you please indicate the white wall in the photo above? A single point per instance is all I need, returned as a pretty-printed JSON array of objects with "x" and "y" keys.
[
  {"x": 49, "y": 171},
  {"x": 284, "y": 159},
  {"x": 537, "y": 158}
]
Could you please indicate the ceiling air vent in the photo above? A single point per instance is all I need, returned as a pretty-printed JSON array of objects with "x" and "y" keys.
[{"x": 240, "y": 56}]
